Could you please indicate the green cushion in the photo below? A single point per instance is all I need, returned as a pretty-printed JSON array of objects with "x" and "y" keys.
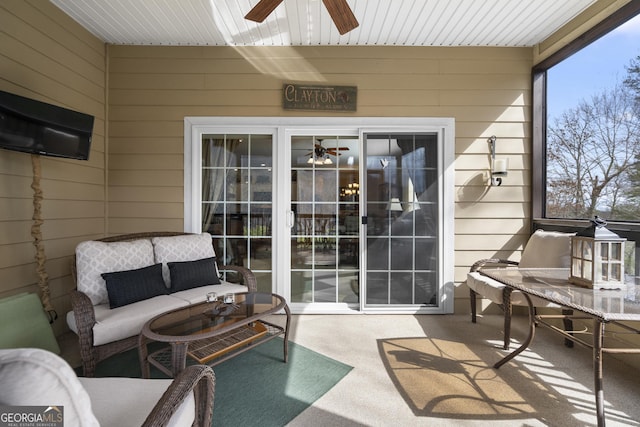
[{"x": 24, "y": 323}]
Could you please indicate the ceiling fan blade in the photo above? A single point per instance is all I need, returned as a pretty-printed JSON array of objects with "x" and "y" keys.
[
  {"x": 341, "y": 14},
  {"x": 260, "y": 11}
]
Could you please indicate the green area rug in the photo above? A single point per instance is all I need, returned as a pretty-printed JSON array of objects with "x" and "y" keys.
[{"x": 256, "y": 388}]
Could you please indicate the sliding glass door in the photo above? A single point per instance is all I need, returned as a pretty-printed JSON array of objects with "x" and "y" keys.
[
  {"x": 403, "y": 220},
  {"x": 337, "y": 215},
  {"x": 324, "y": 236}
]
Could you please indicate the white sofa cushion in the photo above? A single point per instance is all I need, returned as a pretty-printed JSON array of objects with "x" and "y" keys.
[
  {"x": 134, "y": 400},
  {"x": 196, "y": 295},
  {"x": 189, "y": 247},
  {"x": 94, "y": 258},
  {"x": 36, "y": 377},
  {"x": 113, "y": 324}
]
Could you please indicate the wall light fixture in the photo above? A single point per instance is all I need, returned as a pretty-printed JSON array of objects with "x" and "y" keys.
[{"x": 499, "y": 167}]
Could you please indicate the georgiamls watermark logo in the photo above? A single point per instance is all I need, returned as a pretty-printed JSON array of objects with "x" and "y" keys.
[{"x": 31, "y": 416}]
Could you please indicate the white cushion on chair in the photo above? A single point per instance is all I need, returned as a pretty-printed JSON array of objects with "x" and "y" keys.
[
  {"x": 119, "y": 402},
  {"x": 485, "y": 286},
  {"x": 547, "y": 249},
  {"x": 492, "y": 290},
  {"x": 94, "y": 258},
  {"x": 36, "y": 377},
  {"x": 189, "y": 247}
]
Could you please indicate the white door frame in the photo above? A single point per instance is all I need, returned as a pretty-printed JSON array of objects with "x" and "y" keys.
[{"x": 280, "y": 127}]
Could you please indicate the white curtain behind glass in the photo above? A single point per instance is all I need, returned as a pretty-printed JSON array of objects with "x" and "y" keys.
[{"x": 215, "y": 159}]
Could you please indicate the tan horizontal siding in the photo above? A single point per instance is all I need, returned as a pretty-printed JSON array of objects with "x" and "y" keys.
[
  {"x": 46, "y": 56},
  {"x": 146, "y": 178},
  {"x": 135, "y": 225},
  {"x": 481, "y": 226},
  {"x": 157, "y": 210},
  {"x": 161, "y": 145},
  {"x": 500, "y": 209},
  {"x": 390, "y": 81},
  {"x": 131, "y": 193}
]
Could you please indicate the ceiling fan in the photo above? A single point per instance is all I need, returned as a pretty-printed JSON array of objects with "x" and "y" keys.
[
  {"x": 339, "y": 11},
  {"x": 320, "y": 154}
]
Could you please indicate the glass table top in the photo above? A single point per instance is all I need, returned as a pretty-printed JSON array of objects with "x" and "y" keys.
[
  {"x": 212, "y": 318},
  {"x": 552, "y": 285}
]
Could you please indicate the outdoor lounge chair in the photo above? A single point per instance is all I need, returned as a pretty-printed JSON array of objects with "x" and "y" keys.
[
  {"x": 31, "y": 377},
  {"x": 545, "y": 249}
]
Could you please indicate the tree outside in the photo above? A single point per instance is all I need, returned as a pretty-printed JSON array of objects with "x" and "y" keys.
[{"x": 593, "y": 155}]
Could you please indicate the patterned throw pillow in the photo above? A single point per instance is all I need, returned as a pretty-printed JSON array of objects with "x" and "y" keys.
[
  {"x": 193, "y": 274},
  {"x": 94, "y": 258},
  {"x": 127, "y": 287},
  {"x": 189, "y": 247}
]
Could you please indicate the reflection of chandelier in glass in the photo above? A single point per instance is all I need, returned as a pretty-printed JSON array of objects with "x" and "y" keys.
[{"x": 352, "y": 189}]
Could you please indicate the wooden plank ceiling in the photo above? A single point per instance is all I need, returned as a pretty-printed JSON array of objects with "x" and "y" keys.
[{"x": 307, "y": 22}]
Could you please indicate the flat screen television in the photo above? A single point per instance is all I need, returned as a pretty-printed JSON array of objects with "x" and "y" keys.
[{"x": 37, "y": 127}]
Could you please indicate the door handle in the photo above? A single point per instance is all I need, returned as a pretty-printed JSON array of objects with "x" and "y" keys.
[{"x": 291, "y": 219}]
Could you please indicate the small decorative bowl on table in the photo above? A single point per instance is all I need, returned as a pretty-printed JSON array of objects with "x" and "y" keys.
[{"x": 220, "y": 310}]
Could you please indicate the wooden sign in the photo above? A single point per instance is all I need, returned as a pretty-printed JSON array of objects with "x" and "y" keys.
[{"x": 313, "y": 97}]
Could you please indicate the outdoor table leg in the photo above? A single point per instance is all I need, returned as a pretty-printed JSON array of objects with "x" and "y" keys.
[
  {"x": 178, "y": 357},
  {"x": 527, "y": 341},
  {"x": 143, "y": 356},
  {"x": 286, "y": 333},
  {"x": 598, "y": 341}
]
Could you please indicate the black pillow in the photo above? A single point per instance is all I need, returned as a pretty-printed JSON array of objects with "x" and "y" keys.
[
  {"x": 127, "y": 287},
  {"x": 193, "y": 274}
]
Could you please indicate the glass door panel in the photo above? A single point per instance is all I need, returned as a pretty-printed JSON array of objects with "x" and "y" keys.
[
  {"x": 402, "y": 209},
  {"x": 237, "y": 202},
  {"x": 325, "y": 232}
]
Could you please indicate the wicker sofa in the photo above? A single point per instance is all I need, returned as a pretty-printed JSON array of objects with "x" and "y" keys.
[{"x": 123, "y": 281}]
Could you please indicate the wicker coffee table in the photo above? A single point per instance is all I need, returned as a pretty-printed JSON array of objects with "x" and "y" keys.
[{"x": 211, "y": 332}]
